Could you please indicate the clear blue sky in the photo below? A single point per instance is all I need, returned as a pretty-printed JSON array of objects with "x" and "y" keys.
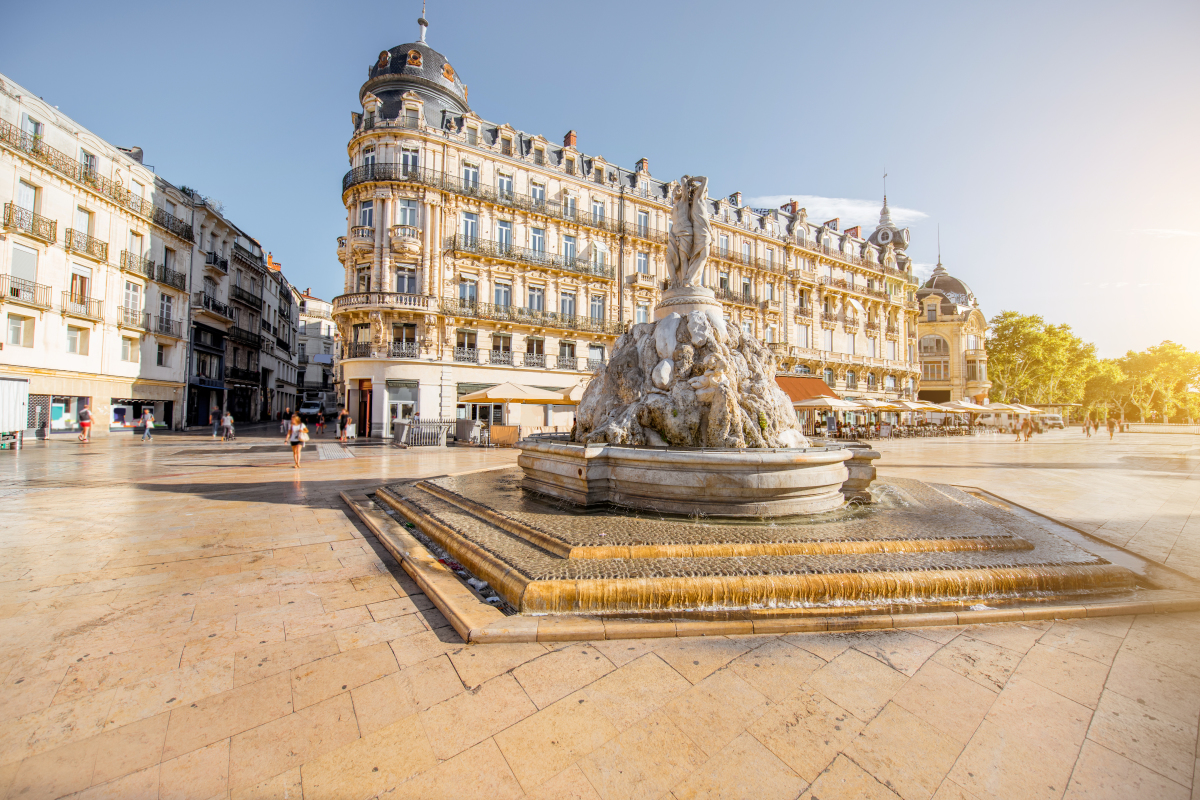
[{"x": 1055, "y": 143}]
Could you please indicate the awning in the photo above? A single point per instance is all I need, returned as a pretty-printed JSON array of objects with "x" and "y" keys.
[
  {"x": 512, "y": 393},
  {"x": 857, "y": 306},
  {"x": 802, "y": 388},
  {"x": 831, "y": 403}
]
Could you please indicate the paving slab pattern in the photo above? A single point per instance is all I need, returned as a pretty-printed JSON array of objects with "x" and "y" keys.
[{"x": 218, "y": 625}]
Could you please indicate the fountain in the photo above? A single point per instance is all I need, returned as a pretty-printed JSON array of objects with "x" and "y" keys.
[{"x": 687, "y": 501}]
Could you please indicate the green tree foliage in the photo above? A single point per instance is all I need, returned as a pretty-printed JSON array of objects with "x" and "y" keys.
[
  {"x": 1032, "y": 362},
  {"x": 1106, "y": 390},
  {"x": 1161, "y": 382}
]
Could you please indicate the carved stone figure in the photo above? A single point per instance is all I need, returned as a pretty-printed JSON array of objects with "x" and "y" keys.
[{"x": 687, "y": 245}]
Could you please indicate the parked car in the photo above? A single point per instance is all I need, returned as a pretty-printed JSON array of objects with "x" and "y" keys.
[
  {"x": 1052, "y": 421},
  {"x": 308, "y": 412}
]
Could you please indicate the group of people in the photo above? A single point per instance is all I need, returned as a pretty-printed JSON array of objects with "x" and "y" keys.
[
  {"x": 223, "y": 422},
  {"x": 1091, "y": 426},
  {"x": 295, "y": 432}
]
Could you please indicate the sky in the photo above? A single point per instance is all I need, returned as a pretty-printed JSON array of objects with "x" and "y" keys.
[{"x": 1053, "y": 144}]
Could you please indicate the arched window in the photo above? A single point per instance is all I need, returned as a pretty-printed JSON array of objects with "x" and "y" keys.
[
  {"x": 829, "y": 378},
  {"x": 851, "y": 380},
  {"x": 934, "y": 345},
  {"x": 871, "y": 380}
]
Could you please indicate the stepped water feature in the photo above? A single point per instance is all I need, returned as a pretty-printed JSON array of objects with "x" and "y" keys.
[{"x": 686, "y": 496}]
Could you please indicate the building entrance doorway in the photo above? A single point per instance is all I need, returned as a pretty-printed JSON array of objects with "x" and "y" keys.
[{"x": 364, "y": 408}]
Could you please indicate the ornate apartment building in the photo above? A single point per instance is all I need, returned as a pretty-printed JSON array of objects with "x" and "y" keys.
[
  {"x": 476, "y": 254},
  {"x": 318, "y": 352},
  {"x": 952, "y": 330}
]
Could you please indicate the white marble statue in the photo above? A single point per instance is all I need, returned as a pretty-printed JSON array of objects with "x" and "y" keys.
[{"x": 687, "y": 245}]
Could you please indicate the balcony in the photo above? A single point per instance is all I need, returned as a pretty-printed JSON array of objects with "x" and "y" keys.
[
  {"x": 138, "y": 265},
  {"x": 403, "y": 350},
  {"x": 16, "y": 290},
  {"x": 644, "y": 232},
  {"x": 773, "y": 266},
  {"x": 246, "y": 256},
  {"x": 362, "y": 238},
  {"x": 132, "y": 318},
  {"x": 466, "y": 355},
  {"x": 242, "y": 375},
  {"x": 249, "y": 338},
  {"x": 405, "y": 239},
  {"x": 206, "y": 303},
  {"x": 316, "y": 312},
  {"x": 77, "y": 305},
  {"x": 357, "y": 350},
  {"x": 976, "y": 355},
  {"x": 90, "y": 246},
  {"x": 804, "y": 314},
  {"x": 35, "y": 225},
  {"x": 346, "y": 302},
  {"x": 245, "y": 297},
  {"x": 285, "y": 313},
  {"x": 642, "y": 280},
  {"x": 850, "y": 322},
  {"x": 169, "y": 277},
  {"x": 872, "y": 327},
  {"x": 771, "y": 305},
  {"x": 500, "y": 251},
  {"x": 727, "y": 295},
  {"x": 454, "y": 307},
  {"x": 36, "y": 149},
  {"x": 283, "y": 344},
  {"x": 214, "y": 262},
  {"x": 341, "y": 248},
  {"x": 165, "y": 326},
  {"x": 517, "y": 360}
]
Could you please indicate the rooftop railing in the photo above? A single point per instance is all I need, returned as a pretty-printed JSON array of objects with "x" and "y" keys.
[
  {"x": 35, "y": 225},
  {"x": 524, "y": 255},
  {"x": 60, "y": 162}
]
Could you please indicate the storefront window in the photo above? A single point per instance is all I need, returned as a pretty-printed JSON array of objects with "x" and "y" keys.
[{"x": 64, "y": 412}]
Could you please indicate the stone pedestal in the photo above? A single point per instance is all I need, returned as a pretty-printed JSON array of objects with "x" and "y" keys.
[
  {"x": 862, "y": 473},
  {"x": 685, "y": 299}
]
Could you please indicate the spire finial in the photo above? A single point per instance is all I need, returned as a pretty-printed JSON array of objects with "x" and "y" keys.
[
  {"x": 939, "y": 244},
  {"x": 424, "y": 23}
]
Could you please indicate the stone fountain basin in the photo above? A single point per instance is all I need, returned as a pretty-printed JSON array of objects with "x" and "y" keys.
[{"x": 690, "y": 481}]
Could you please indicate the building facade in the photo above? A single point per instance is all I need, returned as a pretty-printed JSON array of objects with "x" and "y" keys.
[
  {"x": 476, "y": 253},
  {"x": 951, "y": 331},
  {"x": 318, "y": 352},
  {"x": 93, "y": 273},
  {"x": 278, "y": 358}
]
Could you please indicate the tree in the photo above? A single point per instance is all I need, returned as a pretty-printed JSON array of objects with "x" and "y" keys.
[
  {"x": 1106, "y": 390},
  {"x": 1160, "y": 378},
  {"x": 1033, "y": 362}
]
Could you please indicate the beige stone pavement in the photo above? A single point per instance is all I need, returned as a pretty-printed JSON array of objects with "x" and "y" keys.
[{"x": 191, "y": 620}]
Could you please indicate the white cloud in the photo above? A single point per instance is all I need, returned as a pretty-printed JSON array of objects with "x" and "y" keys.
[
  {"x": 850, "y": 211},
  {"x": 1168, "y": 233},
  {"x": 922, "y": 271}
]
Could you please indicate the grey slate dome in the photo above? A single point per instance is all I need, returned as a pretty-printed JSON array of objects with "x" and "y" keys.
[
  {"x": 943, "y": 283},
  {"x": 419, "y": 68}
]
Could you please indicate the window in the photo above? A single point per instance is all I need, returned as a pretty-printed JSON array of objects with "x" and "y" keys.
[
  {"x": 597, "y": 211},
  {"x": 162, "y": 357},
  {"x": 851, "y": 340},
  {"x": 366, "y": 214},
  {"x": 24, "y": 271},
  {"x": 504, "y": 234},
  {"x": 506, "y": 146},
  {"x": 570, "y": 206},
  {"x": 770, "y": 333},
  {"x": 503, "y": 294},
  {"x": 168, "y": 258},
  {"x": 599, "y": 254},
  {"x": 537, "y": 298},
  {"x": 643, "y": 223},
  {"x": 828, "y": 343},
  {"x": 467, "y": 291},
  {"x": 363, "y": 276},
  {"x": 643, "y": 263},
  {"x": 537, "y": 240},
  {"x": 81, "y": 282},
  {"x": 406, "y": 280},
  {"x": 470, "y": 226},
  {"x": 472, "y": 135},
  {"x": 935, "y": 370},
  {"x": 770, "y": 258},
  {"x": 566, "y": 303},
  {"x": 871, "y": 346},
  {"x": 829, "y": 379},
  {"x": 802, "y": 336},
  {"x": 538, "y": 190},
  {"x": 501, "y": 343},
  {"x": 768, "y": 291},
  {"x": 746, "y": 252},
  {"x": 539, "y": 156},
  {"x": 470, "y": 174},
  {"x": 465, "y": 340},
  {"x": 32, "y": 126},
  {"x": 723, "y": 281},
  {"x": 27, "y": 196},
  {"x": 133, "y": 296},
  {"x": 934, "y": 345},
  {"x": 20, "y": 331},
  {"x": 504, "y": 185},
  {"x": 851, "y": 380},
  {"x": 166, "y": 307},
  {"x": 87, "y": 162},
  {"x": 598, "y": 174},
  {"x": 566, "y": 349},
  {"x": 889, "y": 383},
  {"x": 129, "y": 349},
  {"x": 404, "y": 333},
  {"x": 83, "y": 221},
  {"x": 535, "y": 347},
  {"x": 642, "y": 314},
  {"x": 407, "y": 212},
  {"x": 892, "y": 350},
  {"x": 410, "y": 159},
  {"x": 135, "y": 244},
  {"x": 570, "y": 166},
  {"x": 77, "y": 340},
  {"x": 931, "y": 313},
  {"x": 597, "y": 306},
  {"x": 747, "y": 327},
  {"x": 368, "y": 157},
  {"x": 569, "y": 245},
  {"x": 595, "y": 353}
]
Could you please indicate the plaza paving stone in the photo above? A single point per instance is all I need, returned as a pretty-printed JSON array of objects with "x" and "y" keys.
[{"x": 195, "y": 620}]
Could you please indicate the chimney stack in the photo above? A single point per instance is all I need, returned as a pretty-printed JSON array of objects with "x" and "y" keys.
[
  {"x": 735, "y": 199},
  {"x": 642, "y": 165},
  {"x": 570, "y": 139}
]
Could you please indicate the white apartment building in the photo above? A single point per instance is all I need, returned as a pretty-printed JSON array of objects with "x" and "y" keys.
[
  {"x": 278, "y": 359},
  {"x": 93, "y": 272},
  {"x": 318, "y": 352},
  {"x": 476, "y": 253}
]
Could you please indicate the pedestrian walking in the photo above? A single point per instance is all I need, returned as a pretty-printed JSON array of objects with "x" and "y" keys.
[
  {"x": 343, "y": 419},
  {"x": 227, "y": 427},
  {"x": 148, "y": 425},
  {"x": 85, "y": 423},
  {"x": 1016, "y": 428},
  {"x": 1112, "y": 427},
  {"x": 1087, "y": 427},
  {"x": 214, "y": 419},
  {"x": 346, "y": 423},
  {"x": 297, "y": 435},
  {"x": 320, "y": 423}
]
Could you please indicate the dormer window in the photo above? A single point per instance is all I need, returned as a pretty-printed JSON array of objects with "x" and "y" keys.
[
  {"x": 506, "y": 147},
  {"x": 472, "y": 135},
  {"x": 539, "y": 156},
  {"x": 570, "y": 166}
]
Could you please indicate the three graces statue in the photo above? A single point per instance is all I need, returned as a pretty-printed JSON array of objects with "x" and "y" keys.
[{"x": 687, "y": 244}]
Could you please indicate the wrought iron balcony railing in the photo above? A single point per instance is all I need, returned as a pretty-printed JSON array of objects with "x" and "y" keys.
[
  {"x": 60, "y": 162},
  {"x": 242, "y": 374},
  {"x": 140, "y": 265},
  {"x": 644, "y": 232},
  {"x": 206, "y": 301},
  {"x": 78, "y": 305},
  {"x": 285, "y": 312},
  {"x": 22, "y": 291},
  {"x": 388, "y": 299},
  {"x": 526, "y": 316},
  {"x": 170, "y": 277},
  {"x": 168, "y": 327},
  {"x": 33, "y": 224},
  {"x": 244, "y": 336},
  {"x": 213, "y": 259},
  {"x": 358, "y": 350},
  {"x": 283, "y": 344},
  {"x": 244, "y": 296},
  {"x": 90, "y": 246},
  {"x": 133, "y": 317},
  {"x": 246, "y": 256},
  {"x": 744, "y": 298},
  {"x": 523, "y": 255}
]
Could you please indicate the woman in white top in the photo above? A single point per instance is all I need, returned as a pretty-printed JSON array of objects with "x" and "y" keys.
[{"x": 297, "y": 432}]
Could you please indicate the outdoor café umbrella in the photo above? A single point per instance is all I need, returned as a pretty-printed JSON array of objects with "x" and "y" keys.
[
  {"x": 574, "y": 394},
  {"x": 829, "y": 404},
  {"x": 512, "y": 393}
]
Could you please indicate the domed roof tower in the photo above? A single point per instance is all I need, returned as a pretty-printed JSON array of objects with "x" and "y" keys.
[
  {"x": 952, "y": 290},
  {"x": 416, "y": 67}
]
